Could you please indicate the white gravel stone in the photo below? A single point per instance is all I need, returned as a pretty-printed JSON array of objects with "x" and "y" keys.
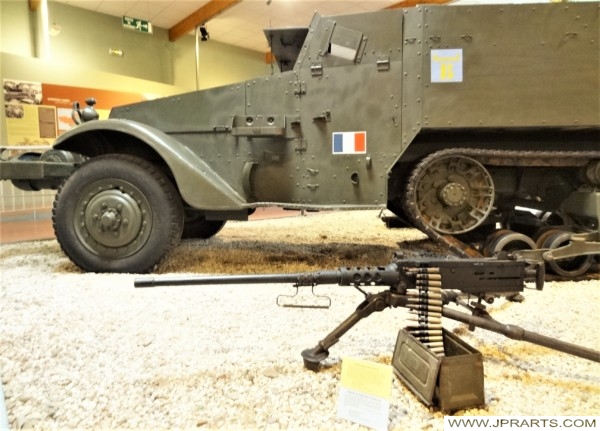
[{"x": 88, "y": 351}]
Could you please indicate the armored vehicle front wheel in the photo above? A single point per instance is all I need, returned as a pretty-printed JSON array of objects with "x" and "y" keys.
[{"x": 117, "y": 213}]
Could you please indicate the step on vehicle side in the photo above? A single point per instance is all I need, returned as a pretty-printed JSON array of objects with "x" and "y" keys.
[{"x": 461, "y": 120}]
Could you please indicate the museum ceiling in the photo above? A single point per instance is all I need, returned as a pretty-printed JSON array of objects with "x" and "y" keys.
[{"x": 235, "y": 22}]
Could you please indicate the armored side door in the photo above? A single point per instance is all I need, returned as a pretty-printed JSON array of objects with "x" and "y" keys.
[
  {"x": 269, "y": 134},
  {"x": 349, "y": 88}
]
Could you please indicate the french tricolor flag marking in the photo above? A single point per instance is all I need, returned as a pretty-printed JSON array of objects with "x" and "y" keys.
[{"x": 349, "y": 143}]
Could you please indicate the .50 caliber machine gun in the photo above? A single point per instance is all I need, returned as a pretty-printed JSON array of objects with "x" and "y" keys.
[{"x": 422, "y": 285}]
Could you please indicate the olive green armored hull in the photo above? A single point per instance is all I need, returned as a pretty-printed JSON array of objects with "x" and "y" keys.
[{"x": 449, "y": 116}]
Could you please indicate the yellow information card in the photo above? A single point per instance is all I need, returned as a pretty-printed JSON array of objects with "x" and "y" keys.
[
  {"x": 367, "y": 377},
  {"x": 365, "y": 393}
]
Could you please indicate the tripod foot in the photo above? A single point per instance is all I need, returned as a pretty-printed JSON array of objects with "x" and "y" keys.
[{"x": 313, "y": 358}]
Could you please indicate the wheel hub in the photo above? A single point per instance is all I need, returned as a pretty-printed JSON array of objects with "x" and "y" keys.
[
  {"x": 453, "y": 194},
  {"x": 110, "y": 220},
  {"x": 113, "y": 218}
]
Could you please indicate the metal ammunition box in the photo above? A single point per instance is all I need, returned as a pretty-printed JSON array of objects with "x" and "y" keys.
[{"x": 450, "y": 382}]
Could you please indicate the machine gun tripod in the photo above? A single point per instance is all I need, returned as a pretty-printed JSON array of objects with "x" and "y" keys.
[{"x": 424, "y": 286}]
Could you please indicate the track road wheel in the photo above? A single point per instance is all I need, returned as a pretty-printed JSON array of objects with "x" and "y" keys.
[
  {"x": 451, "y": 194},
  {"x": 570, "y": 267},
  {"x": 117, "y": 213},
  {"x": 507, "y": 241}
]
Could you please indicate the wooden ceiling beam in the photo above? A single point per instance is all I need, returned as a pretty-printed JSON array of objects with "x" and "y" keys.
[
  {"x": 202, "y": 15},
  {"x": 411, "y": 3},
  {"x": 34, "y": 5}
]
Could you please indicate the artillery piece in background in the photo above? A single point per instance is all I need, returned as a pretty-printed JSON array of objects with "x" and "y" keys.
[{"x": 479, "y": 125}]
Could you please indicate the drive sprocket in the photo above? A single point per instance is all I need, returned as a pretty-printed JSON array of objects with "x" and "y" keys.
[{"x": 450, "y": 193}]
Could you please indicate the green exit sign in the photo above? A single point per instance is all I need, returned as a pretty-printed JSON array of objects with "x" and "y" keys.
[{"x": 136, "y": 24}]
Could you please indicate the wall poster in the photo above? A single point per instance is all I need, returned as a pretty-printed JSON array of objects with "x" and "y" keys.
[
  {"x": 28, "y": 122},
  {"x": 37, "y": 113}
]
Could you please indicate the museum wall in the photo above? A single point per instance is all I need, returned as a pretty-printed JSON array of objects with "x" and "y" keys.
[
  {"x": 79, "y": 57},
  {"x": 85, "y": 39}
]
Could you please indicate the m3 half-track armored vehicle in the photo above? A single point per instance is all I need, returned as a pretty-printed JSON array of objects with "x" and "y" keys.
[{"x": 477, "y": 124}]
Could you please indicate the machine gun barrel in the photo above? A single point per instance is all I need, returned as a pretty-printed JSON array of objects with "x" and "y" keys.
[
  {"x": 474, "y": 276},
  {"x": 302, "y": 279},
  {"x": 362, "y": 276}
]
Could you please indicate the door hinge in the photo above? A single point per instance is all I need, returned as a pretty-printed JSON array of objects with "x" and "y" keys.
[{"x": 299, "y": 88}]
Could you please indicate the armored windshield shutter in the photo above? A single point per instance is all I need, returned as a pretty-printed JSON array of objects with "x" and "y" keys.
[{"x": 345, "y": 43}]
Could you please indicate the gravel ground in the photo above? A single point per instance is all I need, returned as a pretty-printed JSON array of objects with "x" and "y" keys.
[{"x": 88, "y": 351}]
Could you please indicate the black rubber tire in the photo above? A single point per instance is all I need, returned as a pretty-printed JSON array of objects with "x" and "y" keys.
[
  {"x": 117, "y": 213},
  {"x": 196, "y": 226},
  {"x": 27, "y": 185}
]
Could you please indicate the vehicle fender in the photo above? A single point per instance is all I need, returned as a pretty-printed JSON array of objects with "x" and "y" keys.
[{"x": 200, "y": 186}]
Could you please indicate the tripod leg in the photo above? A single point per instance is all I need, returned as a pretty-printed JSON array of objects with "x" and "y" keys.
[
  {"x": 313, "y": 357},
  {"x": 517, "y": 333}
]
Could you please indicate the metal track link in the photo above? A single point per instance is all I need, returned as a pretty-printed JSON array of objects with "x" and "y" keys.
[{"x": 519, "y": 158}]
